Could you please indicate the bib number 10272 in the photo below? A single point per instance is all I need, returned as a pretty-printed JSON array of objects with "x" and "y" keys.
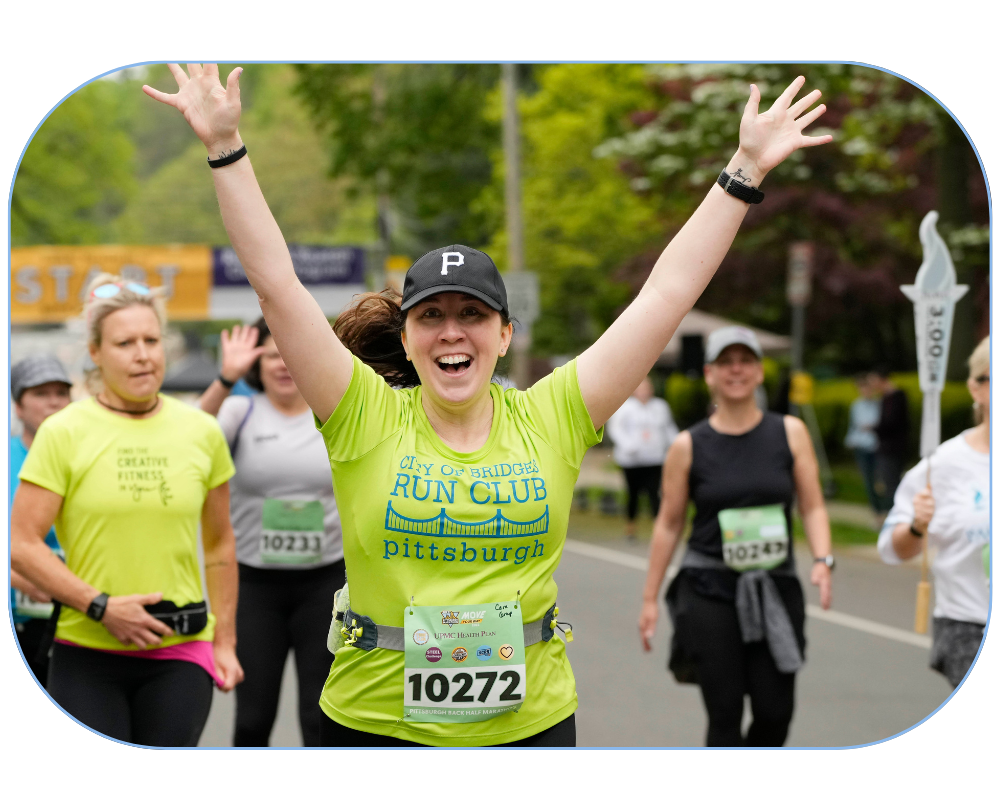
[{"x": 457, "y": 689}]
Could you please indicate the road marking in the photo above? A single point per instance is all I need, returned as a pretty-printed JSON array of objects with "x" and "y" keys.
[{"x": 641, "y": 564}]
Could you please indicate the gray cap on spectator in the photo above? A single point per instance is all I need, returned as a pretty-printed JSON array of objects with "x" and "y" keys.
[
  {"x": 722, "y": 338},
  {"x": 34, "y": 371}
]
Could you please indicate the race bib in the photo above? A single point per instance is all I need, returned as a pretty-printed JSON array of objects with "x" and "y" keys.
[
  {"x": 754, "y": 538},
  {"x": 292, "y": 532},
  {"x": 27, "y": 607},
  {"x": 463, "y": 663}
]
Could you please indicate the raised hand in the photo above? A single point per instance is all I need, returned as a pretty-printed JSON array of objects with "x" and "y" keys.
[
  {"x": 213, "y": 112},
  {"x": 768, "y": 139},
  {"x": 239, "y": 351}
]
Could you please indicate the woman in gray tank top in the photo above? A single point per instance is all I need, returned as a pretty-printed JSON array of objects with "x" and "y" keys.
[
  {"x": 288, "y": 539},
  {"x": 736, "y": 604}
]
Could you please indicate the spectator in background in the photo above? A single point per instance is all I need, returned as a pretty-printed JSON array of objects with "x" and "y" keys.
[
  {"x": 642, "y": 430},
  {"x": 893, "y": 431},
  {"x": 40, "y": 387},
  {"x": 861, "y": 437}
]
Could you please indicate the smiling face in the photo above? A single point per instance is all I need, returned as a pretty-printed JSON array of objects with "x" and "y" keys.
[
  {"x": 274, "y": 375},
  {"x": 130, "y": 355},
  {"x": 735, "y": 374},
  {"x": 454, "y": 342}
]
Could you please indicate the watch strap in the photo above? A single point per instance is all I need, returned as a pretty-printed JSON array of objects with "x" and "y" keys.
[
  {"x": 915, "y": 532},
  {"x": 224, "y": 382},
  {"x": 97, "y": 607},
  {"x": 748, "y": 194}
]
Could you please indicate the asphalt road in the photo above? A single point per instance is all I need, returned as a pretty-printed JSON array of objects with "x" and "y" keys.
[{"x": 865, "y": 678}]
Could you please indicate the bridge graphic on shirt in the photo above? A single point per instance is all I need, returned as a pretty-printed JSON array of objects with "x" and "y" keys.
[{"x": 496, "y": 527}]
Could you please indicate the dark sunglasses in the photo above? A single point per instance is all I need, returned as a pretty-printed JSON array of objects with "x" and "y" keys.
[{"x": 981, "y": 379}]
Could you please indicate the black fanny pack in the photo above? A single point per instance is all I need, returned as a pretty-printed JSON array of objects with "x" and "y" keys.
[{"x": 185, "y": 620}]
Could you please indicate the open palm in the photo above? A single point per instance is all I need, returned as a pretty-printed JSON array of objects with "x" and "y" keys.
[
  {"x": 213, "y": 112},
  {"x": 768, "y": 139}
]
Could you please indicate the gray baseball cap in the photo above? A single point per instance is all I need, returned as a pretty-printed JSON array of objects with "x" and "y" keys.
[
  {"x": 34, "y": 371},
  {"x": 722, "y": 338}
]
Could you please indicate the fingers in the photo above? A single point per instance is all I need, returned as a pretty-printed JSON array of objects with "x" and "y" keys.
[
  {"x": 785, "y": 99},
  {"x": 195, "y": 70},
  {"x": 812, "y": 116},
  {"x": 233, "y": 84},
  {"x": 156, "y": 626},
  {"x": 145, "y": 599},
  {"x": 179, "y": 75},
  {"x": 210, "y": 69},
  {"x": 812, "y": 141},
  {"x": 163, "y": 97},
  {"x": 805, "y": 102},
  {"x": 753, "y": 104}
]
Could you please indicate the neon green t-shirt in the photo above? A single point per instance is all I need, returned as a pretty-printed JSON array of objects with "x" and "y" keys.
[
  {"x": 422, "y": 520},
  {"x": 133, "y": 491}
]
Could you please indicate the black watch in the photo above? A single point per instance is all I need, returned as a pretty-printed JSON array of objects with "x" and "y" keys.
[
  {"x": 97, "y": 607},
  {"x": 915, "y": 532},
  {"x": 828, "y": 560},
  {"x": 224, "y": 382},
  {"x": 748, "y": 194}
]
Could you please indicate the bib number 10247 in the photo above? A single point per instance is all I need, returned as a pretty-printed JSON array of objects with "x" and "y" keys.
[{"x": 463, "y": 663}]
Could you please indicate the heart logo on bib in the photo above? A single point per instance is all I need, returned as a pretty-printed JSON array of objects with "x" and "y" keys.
[{"x": 506, "y": 651}]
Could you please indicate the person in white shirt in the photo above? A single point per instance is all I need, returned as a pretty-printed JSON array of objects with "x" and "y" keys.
[
  {"x": 951, "y": 508},
  {"x": 642, "y": 430},
  {"x": 288, "y": 535}
]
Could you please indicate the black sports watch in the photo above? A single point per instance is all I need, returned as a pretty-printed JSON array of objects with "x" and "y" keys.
[
  {"x": 97, "y": 607},
  {"x": 748, "y": 194},
  {"x": 828, "y": 560}
]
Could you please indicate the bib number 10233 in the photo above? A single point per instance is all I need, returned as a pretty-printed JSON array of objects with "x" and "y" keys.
[
  {"x": 292, "y": 532},
  {"x": 463, "y": 663},
  {"x": 754, "y": 538}
]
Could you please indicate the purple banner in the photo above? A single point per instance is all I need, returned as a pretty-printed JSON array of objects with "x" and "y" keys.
[{"x": 314, "y": 264}]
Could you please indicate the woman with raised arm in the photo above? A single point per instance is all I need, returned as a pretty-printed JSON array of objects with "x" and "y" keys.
[
  {"x": 455, "y": 494},
  {"x": 288, "y": 543},
  {"x": 127, "y": 476}
]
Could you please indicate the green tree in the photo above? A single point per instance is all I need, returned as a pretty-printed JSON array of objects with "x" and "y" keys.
[
  {"x": 77, "y": 172},
  {"x": 176, "y": 201},
  {"x": 582, "y": 220},
  {"x": 414, "y": 134},
  {"x": 860, "y": 199}
]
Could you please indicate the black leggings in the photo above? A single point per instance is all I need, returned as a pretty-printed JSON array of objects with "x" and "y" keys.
[
  {"x": 728, "y": 669},
  {"x": 643, "y": 480},
  {"x": 137, "y": 700},
  {"x": 333, "y": 734},
  {"x": 279, "y": 610},
  {"x": 30, "y": 635}
]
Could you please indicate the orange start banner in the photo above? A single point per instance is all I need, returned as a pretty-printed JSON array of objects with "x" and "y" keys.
[{"x": 47, "y": 283}]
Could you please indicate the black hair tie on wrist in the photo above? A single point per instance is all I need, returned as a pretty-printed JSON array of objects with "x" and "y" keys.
[
  {"x": 236, "y": 155},
  {"x": 224, "y": 382},
  {"x": 916, "y": 533}
]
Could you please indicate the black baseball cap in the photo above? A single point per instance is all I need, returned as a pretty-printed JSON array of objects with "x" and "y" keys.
[{"x": 455, "y": 268}]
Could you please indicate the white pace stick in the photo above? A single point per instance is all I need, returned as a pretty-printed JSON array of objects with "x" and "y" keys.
[{"x": 933, "y": 294}]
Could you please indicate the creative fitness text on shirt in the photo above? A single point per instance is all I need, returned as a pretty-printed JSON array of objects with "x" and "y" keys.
[
  {"x": 504, "y": 487},
  {"x": 139, "y": 473}
]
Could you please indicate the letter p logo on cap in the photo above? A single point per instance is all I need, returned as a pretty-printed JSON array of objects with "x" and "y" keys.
[{"x": 451, "y": 259}]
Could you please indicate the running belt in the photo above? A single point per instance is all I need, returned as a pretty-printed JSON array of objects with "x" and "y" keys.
[{"x": 388, "y": 637}]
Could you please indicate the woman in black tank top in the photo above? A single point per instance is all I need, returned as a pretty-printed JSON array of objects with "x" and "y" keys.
[{"x": 747, "y": 466}]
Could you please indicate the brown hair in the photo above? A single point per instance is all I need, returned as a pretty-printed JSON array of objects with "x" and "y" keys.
[
  {"x": 253, "y": 374},
  {"x": 371, "y": 328}
]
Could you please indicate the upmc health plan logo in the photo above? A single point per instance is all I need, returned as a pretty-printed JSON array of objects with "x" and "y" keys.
[{"x": 449, "y": 618}]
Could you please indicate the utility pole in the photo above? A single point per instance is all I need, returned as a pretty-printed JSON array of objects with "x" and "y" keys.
[
  {"x": 800, "y": 396},
  {"x": 515, "y": 221}
]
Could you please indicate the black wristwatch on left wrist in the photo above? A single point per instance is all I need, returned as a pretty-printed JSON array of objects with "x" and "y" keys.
[
  {"x": 748, "y": 194},
  {"x": 828, "y": 560},
  {"x": 97, "y": 607}
]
